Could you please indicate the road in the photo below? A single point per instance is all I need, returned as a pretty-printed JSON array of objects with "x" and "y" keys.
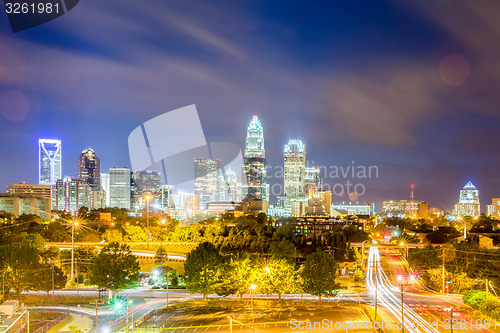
[{"x": 424, "y": 310}]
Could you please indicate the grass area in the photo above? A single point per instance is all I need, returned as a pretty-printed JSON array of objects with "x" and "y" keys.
[
  {"x": 225, "y": 305},
  {"x": 61, "y": 325}
]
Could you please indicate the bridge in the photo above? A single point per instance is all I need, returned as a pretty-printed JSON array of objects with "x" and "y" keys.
[{"x": 144, "y": 256}]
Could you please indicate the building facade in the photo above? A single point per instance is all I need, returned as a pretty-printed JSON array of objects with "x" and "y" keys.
[
  {"x": 105, "y": 186},
  {"x": 254, "y": 161},
  {"x": 206, "y": 179},
  {"x": 294, "y": 169},
  {"x": 34, "y": 190},
  {"x": 25, "y": 204},
  {"x": 494, "y": 209},
  {"x": 468, "y": 201},
  {"x": 49, "y": 161},
  {"x": 69, "y": 194},
  {"x": 89, "y": 169},
  {"x": 119, "y": 187},
  {"x": 312, "y": 178}
]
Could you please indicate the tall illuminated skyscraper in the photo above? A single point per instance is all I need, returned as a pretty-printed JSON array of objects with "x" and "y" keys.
[
  {"x": 254, "y": 162},
  {"x": 312, "y": 180},
  {"x": 206, "y": 179},
  {"x": 89, "y": 169},
  {"x": 294, "y": 171},
  {"x": 468, "y": 202},
  {"x": 49, "y": 161},
  {"x": 119, "y": 187}
]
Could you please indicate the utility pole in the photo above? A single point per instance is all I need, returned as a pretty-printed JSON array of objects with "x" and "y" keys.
[
  {"x": 167, "y": 288},
  {"x": 53, "y": 291},
  {"x": 127, "y": 317},
  {"x": 486, "y": 288},
  {"x": 96, "y": 317},
  {"x": 443, "y": 269},
  {"x": 451, "y": 320},
  {"x": 230, "y": 324},
  {"x": 402, "y": 311},
  {"x": 376, "y": 290}
]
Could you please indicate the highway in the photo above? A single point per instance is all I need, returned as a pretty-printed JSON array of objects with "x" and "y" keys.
[{"x": 424, "y": 310}]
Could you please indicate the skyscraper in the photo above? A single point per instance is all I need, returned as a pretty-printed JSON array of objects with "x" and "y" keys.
[
  {"x": 254, "y": 162},
  {"x": 119, "y": 187},
  {"x": 312, "y": 179},
  {"x": 105, "y": 186},
  {"x": 89, "y": 169},
  {"x": 69, "y": 194},
  {"x": 468, "y": 202},
  {"x": 49, "y": 161},
  {"x": 206, "y": 179},
  {"x": 142, "y": 183},
  {"x": 294, "y": 170}
]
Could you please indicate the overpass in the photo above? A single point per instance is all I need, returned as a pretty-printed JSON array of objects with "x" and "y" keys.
[{"x": 143, "y": 255}]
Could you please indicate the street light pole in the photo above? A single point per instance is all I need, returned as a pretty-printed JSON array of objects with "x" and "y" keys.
[
  {"x": 376, "y": 290},
  {"x": 167, "y": 289},
  {"x": 252, "y": 288},
  {"x": 72, "y": 248},
  {"x": 400, "y": 278},
  {"x": 147, "y": 216}
]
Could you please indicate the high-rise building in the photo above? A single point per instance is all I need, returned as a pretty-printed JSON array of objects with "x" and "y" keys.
[
  {"x": 493, "y": 210},
  {"x": 254, "y": 161},
  {"x": 206, "y": 179},
  {"x": 119, "y": 187},
  {"x": 468, "y": 202},
  {"x": 105, "y": 186},
  {"x": 34, "y": 190},
  {"x": 49, "y": 161},
  {"x": 19, "y": 204},
  {"x": 312, "y": 179},
  {"x": 69, "y": 194},
  {"x": 231, "y": 190},
  {"x": 294, "y": 171},
  {"x": 142, "y": 183},
  {"x": 89, "y": 169}
]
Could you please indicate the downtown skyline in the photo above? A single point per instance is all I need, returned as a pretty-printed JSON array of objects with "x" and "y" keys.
[{"x": 408, "y": 91}]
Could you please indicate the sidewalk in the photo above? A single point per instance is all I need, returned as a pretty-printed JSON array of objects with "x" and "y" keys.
[{"x": 85, "y": 324}]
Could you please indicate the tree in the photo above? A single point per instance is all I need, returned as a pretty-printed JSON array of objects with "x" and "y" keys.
[
  {"x": 319, "y": 273},
  {"x": 19, "y": 259},
  {"x": 202, "y": 269},
  {"x": 112, "y": 236},
  {"x": 136, "y": 234},
  {"x": 239, "y": 274},
  {"x": 282, "y": 250},
  {"x": 114, "y": 268},
  {"x": 44, "y": 277},
  {"x": 278, "y": 277}
]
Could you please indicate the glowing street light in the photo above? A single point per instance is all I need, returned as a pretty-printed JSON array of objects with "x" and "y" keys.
[{"x": 252, "y": 289}]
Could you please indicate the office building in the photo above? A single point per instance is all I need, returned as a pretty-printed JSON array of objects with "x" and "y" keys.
[
  {"x": 69, "y": 194},
  {"x": 119, "y": 187},
  {"x": 105, "y": 186},
  {"x": 33, "y": 190},
  {"x": 206, "y": 179},
  {"x": 353, "y": 209},
  {"x": 468, "y": 202},
  {"x": 144, "y": 183},
  {"x": 294, "y": 169},
  {"x": 49, "y": 161},
  {"x": 19, "y": 204},
  {"x": 493, "y": 210},
  {"x": 312, "y": 178},
  {"x": 89, "y": 169},
  {"x": 254, "y": 161}
]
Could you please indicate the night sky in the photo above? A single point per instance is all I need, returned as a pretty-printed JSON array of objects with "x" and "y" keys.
[{"x": 412, "y": 87}]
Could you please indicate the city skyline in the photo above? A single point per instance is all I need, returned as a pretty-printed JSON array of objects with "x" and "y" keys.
[{"x": 407, "y": 91}]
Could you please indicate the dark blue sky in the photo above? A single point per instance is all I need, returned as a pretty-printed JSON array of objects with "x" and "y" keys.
[{"x": 411, "y": 87}]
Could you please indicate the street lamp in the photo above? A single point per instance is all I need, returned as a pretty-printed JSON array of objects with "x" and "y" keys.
[
  {"x": 400, "y": 279},
  {"x": 406, "y": 246},
  {"x": 75, "y": 224},
  {"x": 252, "y": 289},
  {"x": 363, "y": 252},
  {"x": 148, "y": 197}
]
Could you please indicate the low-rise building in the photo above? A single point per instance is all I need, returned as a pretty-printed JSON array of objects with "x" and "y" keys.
[{"x": 25, "y": 204}]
